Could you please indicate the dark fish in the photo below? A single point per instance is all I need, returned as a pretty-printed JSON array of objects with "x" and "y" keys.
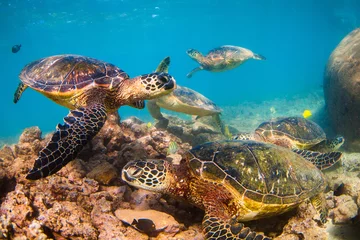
[
  {"x": 16, "y": 48},
  {"x": 146, "y": 226},
  {"x": 339, "y": 190}
]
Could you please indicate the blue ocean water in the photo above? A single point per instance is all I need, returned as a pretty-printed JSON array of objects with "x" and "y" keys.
[{"x": 297, "y": 38}]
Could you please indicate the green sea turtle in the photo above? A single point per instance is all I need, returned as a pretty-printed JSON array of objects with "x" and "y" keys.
[
  {"x": 234, "y": 182},
  {"x": 298, "y": 134},
  {"x": 90, "y": 89},
  {"x": 222, "y": 58},
  {"x": 182, "y": 99}
]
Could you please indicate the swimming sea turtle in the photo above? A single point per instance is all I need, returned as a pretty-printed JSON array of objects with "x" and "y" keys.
[
  {"x": 222, "y": 58},
  {"x": 182, "y": 99},
  {"x": 234, "y": 182},
  {"x": 298, "y": 134},
  {"x": 91, "y": 89}
]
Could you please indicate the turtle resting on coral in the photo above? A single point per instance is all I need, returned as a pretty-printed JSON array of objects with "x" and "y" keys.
[
  {"x": 182, "y": 99},
  {"x": 90, "y": 89},
  {"x": 234, "y": 182},
  {"x": 298, "y": 134},
  {"x": 222, "y": 58}
]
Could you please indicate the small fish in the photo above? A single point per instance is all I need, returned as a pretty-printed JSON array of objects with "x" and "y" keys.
[
  {"x": 307, "y": 113},
  {"x": 227, "y": 132},
  {"x": 146, "y": 226},
  {"x": 173, "y": 147},
  {"x": 149, "y": 125},
  {"x": 16, "y": 48},
  {"x": 272, "y": 110}
]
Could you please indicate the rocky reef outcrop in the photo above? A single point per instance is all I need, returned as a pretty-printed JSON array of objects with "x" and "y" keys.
[
  {"x": 342, "y": 88},
  {"x": 88, "y": 200}
]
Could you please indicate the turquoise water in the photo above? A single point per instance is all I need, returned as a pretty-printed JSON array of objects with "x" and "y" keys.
[{"x": 297, "y": 38}]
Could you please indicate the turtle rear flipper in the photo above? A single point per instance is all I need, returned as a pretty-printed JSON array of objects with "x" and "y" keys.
[
  {"x": 328, "y": 145},
  {"x": 19, "y": 91},
  {"x": 320, "y": 160},
  {"x": 259, "y": 57},
  {"x": 190, "y": 74},
  {"x": 80, "y": 126}
]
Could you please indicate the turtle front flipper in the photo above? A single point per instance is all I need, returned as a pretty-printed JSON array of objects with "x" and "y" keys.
[
  {"x": 190, "y": 74},
  {"x": 320, "y": 160},
  {"x": 329, "y": 145},
  {"x": 215, "y": 227},
  {"x": 243, "y": 136},
  {"x": 155, "y": 112},
  {"x": 19, "y": 91},
  {"x": 163, "y": 65},
  {"x": 318, "y": 202},
  {"x": 80, "y": 126}
]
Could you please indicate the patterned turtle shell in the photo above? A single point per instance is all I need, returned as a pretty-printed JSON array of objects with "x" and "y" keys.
[
  {"x": 296, "y": 129},
  {"x": 194, "y": 99},
  {"x": 259, "y": 171},
  {"x": 229, "y": 52},
  {"x": 64, "y": 74}
]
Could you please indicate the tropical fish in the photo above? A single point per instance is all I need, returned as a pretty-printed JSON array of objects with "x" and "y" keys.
[
  {"x": 16, "y": 48},
  {"x": 227, "y": 132},
  {"x": 146, "y": 226},
  {"x": 173, "y": 147},
  {"x": 307, "y": 113},
  {"x": 149, "y": 125}
]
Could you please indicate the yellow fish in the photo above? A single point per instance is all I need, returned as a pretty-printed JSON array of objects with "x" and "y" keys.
[
  {"x": 227, "y": 132},
  {"x": 307, "y": 113},
  {"x": 173, "y": 147},
  {"x": 149, "y": 125}
]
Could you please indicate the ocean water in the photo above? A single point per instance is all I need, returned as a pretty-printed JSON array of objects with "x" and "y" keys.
[{"x": 296, "y": 37}]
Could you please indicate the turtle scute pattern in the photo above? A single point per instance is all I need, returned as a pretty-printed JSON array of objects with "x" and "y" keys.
[
  {"x": 192, "y": 98},
  {"x": 261, "y": 172},
  {"x": 295, "y": 128},
  {"x": 79, "y": 127},
  {"x": 63, "y": 73}
]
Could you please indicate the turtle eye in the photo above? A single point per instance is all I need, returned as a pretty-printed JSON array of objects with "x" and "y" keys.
[
  {"x": 135, "y": 172},
  {"x": 163, "y": 79}
]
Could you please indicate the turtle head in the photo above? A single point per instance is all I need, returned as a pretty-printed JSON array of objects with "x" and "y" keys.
[
  {"x": 146, "y": 87},
  {"x": 194, "y": 54},
  {"x": 153, "y": 175},
  {"x": 336, "y": 143}
]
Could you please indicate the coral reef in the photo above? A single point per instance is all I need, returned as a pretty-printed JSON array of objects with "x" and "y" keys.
[{"x": 88, "y": 200}]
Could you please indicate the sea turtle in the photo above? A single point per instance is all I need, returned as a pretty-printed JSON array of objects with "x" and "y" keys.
[
  {"x": 234, "y": 182},
  {"x": 298, "y": 134},
  {"x": 182, "y": 99},
  {"x": 222, "y": 58},
  {"x": 90, "y": 89}
]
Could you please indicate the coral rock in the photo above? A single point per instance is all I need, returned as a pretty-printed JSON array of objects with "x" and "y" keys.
[
  {"x": 29, "y": 135},
  {"x": 103, "y": 173},
  {"x": 345, "y": 209}
]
